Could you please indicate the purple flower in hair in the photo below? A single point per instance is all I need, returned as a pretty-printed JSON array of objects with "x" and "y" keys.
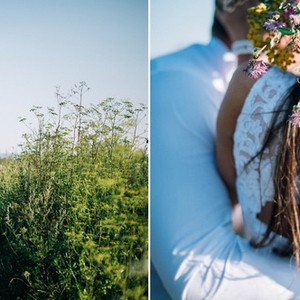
[
  {"x": 271, "y": 25},
  {"x": 256, "y": 68},
  {"x": 295, "y": 117},
  {"x": 290, "y": 10}
]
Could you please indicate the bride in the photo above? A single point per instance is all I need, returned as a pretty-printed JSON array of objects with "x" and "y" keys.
[
  {"x": 193, "y": 247},
  {"x": 265, "y": 131}
]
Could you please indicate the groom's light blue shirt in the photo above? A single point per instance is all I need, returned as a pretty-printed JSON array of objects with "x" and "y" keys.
[{"x": 187, "y": 88}]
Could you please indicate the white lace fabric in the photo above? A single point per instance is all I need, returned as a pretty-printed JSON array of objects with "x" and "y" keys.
[{"x": 254, "y": 182}]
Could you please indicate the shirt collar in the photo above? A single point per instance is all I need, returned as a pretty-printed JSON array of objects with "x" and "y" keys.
[{"x": 222, "y": 52}]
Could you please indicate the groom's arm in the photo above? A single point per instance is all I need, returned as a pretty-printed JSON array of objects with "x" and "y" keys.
[{"x": 188, "y": 199}]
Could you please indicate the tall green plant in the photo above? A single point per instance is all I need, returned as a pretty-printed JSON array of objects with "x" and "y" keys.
[{"x": 73, "y": 204}]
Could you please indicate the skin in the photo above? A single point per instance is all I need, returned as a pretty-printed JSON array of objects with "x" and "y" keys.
[
  {"x": 237, "y": 27},
  {"x": 231, "y": 107}
]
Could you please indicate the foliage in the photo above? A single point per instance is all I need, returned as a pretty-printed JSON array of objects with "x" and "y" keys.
[{"x": 73, "y": 204}]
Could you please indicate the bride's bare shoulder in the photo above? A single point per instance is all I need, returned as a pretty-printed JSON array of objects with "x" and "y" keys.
[
  {"x": 238, "y": 89},
  {"x": 240, "y": 78},
  {"x": 234, "y": 99}
]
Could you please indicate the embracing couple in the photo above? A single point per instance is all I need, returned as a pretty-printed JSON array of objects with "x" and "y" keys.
[{"x": 223, "y": 142}]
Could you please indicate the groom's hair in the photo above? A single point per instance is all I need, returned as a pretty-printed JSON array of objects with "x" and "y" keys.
[{"x": 218, "y": 29}]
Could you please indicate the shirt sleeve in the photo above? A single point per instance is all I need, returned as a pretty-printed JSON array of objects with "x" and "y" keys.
[{"x": 188, "y": 199}]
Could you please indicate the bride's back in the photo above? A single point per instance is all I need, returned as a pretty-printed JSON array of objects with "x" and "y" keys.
[{"x": 255, "y": 173}]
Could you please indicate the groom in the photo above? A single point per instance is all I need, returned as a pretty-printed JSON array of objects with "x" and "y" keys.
[{"x": 187, "y": 88}]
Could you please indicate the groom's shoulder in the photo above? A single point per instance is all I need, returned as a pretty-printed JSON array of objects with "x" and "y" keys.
[{"x": 185, "y": 60}]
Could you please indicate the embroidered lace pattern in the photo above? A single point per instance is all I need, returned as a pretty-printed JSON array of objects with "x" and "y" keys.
[{"x": 254, "y": 182}]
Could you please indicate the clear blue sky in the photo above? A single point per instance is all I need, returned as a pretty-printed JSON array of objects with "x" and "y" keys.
[
  {"x": 178, "y": 23},
  {"x": 52, "y": 43}
]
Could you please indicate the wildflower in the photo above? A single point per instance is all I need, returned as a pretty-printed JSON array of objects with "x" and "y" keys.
[
  {"x": 295, "y": 117},
  {"x": 260, "y": 8},
  {"x": 272, "y": 25},
  {"x": 290, "y": 10},
  {"x": 280, "y": 18},
  {"x": 256, "y": 68}
]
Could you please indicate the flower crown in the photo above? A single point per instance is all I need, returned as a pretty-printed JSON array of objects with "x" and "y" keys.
[{"x": 269, "y": 22}]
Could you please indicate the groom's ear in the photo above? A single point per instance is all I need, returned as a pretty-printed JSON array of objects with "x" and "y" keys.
[{"x": 235, "y": 23}]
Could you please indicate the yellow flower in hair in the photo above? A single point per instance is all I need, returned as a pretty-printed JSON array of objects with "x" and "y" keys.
[{"x": 260, "y": 8}]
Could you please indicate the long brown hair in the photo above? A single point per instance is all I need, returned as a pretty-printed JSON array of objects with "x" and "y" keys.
[{"x": 285, "y": 219}]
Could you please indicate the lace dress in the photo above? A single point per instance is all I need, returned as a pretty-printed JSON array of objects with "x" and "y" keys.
[{"x": 254, "y": 183}]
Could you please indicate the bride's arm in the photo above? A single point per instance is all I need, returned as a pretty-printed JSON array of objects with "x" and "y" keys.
[{"x": 233, "y": 102}]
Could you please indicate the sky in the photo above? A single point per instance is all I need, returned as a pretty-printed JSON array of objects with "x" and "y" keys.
[
  {"x": 50, "y": 43},
  {"x": 178, "y": 23}
]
